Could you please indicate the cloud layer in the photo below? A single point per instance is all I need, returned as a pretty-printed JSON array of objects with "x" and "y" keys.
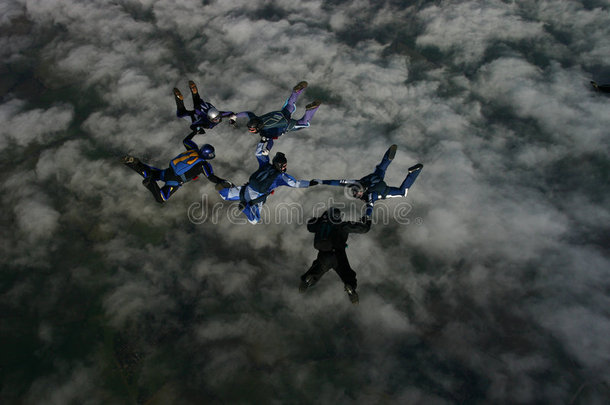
[{"x": 494, "y": 289}]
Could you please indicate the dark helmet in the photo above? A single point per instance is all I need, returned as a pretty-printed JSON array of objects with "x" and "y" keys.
[
  {"x": 280, "y": 162},
  {"x": 334, "y": 214},
  {"x": 357, "y": 190},
  {"x": 207, "y": 152},
  {"x": 255, "y": 125}
]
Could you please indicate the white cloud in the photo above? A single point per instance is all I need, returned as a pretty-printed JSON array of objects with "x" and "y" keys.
[
  {"x": 469, "y": 28},
  {"x": 23, "y": 126}
]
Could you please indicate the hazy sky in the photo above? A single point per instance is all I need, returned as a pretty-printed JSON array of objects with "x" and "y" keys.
[{"x": 488, "y": 284}]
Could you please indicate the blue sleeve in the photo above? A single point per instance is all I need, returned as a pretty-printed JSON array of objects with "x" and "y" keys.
[
  {"x": 224, "y": 114},
  {"x": 372, "y": 197},
  {"x": 207, "y": 169},
  {"x": 263, "y": 159},
  {"x": 188, "y": 142},
  {"x": 287, "y": 180}
]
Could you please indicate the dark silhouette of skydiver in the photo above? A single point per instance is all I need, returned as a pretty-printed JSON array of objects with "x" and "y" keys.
[{"x": 330, "y": 239}]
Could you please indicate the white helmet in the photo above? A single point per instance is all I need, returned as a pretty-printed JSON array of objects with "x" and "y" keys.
[{"x": 213, "y": 114}]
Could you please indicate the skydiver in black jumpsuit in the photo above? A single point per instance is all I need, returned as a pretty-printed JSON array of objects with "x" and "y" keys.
[{"x": 330, "y": 239}]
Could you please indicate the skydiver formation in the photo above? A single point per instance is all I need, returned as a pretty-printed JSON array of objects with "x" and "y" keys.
[{"x": 331, "y": 232}]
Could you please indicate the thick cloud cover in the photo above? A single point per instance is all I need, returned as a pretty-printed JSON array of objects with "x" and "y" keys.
[{"x": 488, "y": 284}]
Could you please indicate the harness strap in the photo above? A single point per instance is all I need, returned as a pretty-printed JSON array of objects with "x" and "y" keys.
[{"x": 257, "y": 200}]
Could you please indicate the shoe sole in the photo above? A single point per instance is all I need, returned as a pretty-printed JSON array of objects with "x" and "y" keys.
[
  {"x": 313, "y": 105},
  {"x": 415, "y": 168},
  {"x": 193, "y": 87},
  {"x": 128, "y": 160},
  {"x": 300, "y": 86},
  {"x": 392, "y": 153},
  {"x": 177, "y": 94}
]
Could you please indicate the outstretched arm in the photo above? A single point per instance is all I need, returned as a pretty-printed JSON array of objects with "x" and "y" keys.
[
  {"x": 312, "y": 224},
  {"x": 245, "y": 114},
  {"x": 207, "y": 170},
  {"x": 341, "y": 182},
  {"x": 287, "y": 180},
  {"x": 357, "y": 227},
  {"x": 188, "y": 142}
]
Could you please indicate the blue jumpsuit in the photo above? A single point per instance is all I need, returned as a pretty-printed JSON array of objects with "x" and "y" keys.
[
  {"x": 253, "y": 198},
  {"x": 374, "y": 187},
  {"x": 277, "y": 123},
  {"x": 196, "y": 166}
]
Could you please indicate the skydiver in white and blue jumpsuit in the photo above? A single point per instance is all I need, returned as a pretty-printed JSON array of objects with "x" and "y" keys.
[{"x": 270, "y": 175}]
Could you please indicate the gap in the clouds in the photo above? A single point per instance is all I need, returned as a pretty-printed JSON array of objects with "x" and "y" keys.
[
  {"x": 600, "y": 5},
  {"x": 57, "y": 317},
  {"x": 269, "y": 12},
  {"x": 138, "y": 11}
]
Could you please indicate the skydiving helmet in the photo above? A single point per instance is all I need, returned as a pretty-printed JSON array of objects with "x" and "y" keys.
[
  {"x": 255, "y": 125},
  {"x": 207, "y": 152},
  {"x": 280, "y": 162},
  {"x": 213, "y": 114},
  {"x": 356, "y": 190},
  {"x": 334, "y": 214}
]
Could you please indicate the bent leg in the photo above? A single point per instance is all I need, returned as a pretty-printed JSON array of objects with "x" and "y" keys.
[
  {"x": 345, "y": 272},
  {"x": 304, "y": 121},
  {"x": 142, "y": 169},
  {"x": 253, "y": 213},
  {"x": 230, "y": 193},
  {"x": 152, "y": 186},
  {"x": 167, "y": 191},
  {"x": 401, "y": 191},
  {"x": 197, "y": 101},
  {"x": 319, "y": 267},
  {"x": 385, "y": 162},
  {"x": 290, "y": 104}
]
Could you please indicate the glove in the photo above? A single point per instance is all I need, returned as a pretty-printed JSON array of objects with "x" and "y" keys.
[
  {"x": 265, "y": 152},
  {"x": 365, "y": 219},
  {"x": 241, "y": 206},
  {"x": 222, "y": 185},
  {"x": 200, "y": 130},
  {"x": 313, "y": 182},
  {"x": 264, "y": 139},
  {"x": 233, "y": 120}
]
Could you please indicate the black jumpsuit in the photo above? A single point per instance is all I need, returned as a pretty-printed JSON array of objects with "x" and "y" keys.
[{"x": 335, "y": 257}]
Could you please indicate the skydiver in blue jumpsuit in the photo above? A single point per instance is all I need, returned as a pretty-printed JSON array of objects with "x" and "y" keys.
[
  {"x": 270, "y": 175},
  {"x": 330, "y": 239},
  {"x": 183, "y": 168},
  {"x": 203, "y": 115},
  {"x": 371, "y": 188},
  {"x": 274, "y": 124}
]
